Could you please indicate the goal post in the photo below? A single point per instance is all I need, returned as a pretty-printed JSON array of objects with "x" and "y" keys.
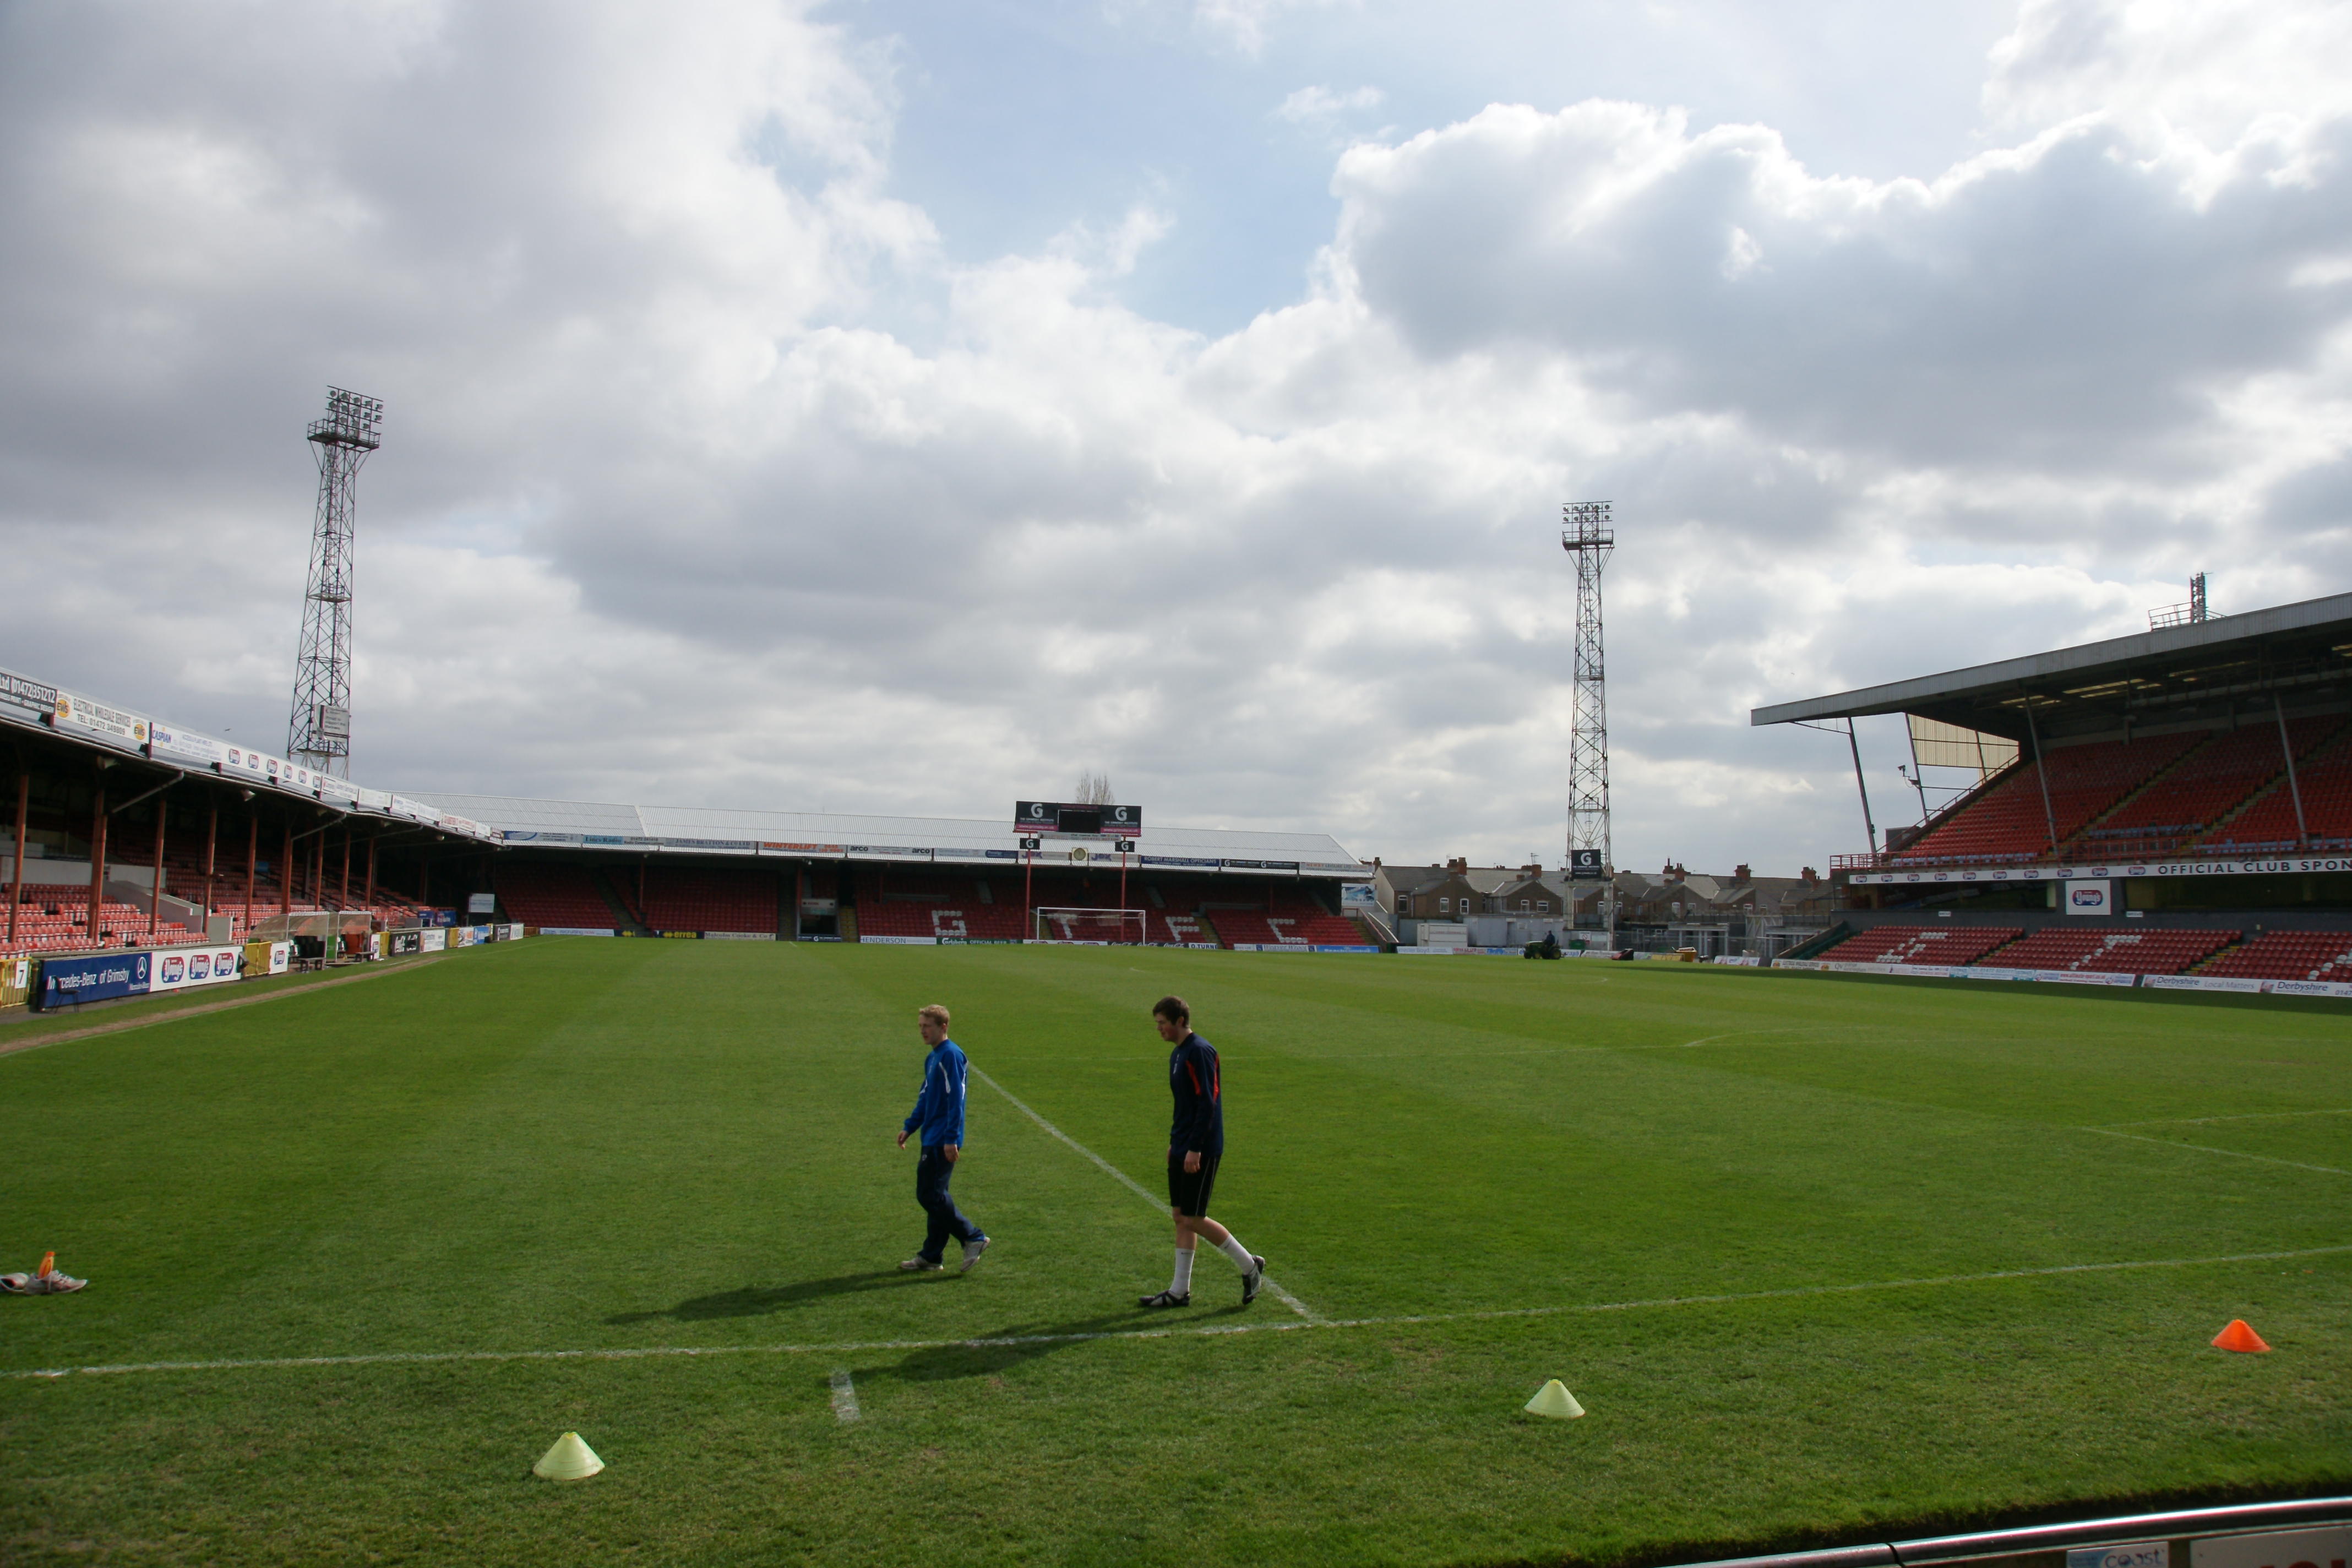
[{"x": 1091, "y": 926}]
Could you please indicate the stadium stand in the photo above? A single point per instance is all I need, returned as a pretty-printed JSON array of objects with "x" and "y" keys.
[
  {"x": 552, "y": 895},
  {"x": 2288, "y": 955},
  {"x": 2004, "y": 821},
  {"x": 1290, "y": 918},
  {"x": 2324, "y": 780},
  {"x": 971, "y": 908},
  {"x": 2110, "y": 949},
  {"x": 1954, "y": 945},
  {"x": 709, "y": 899},
  {"x": 1177, "y": 928},
  {"x": 2205, "y": 786},
  {"x": 54, "y": 919}
]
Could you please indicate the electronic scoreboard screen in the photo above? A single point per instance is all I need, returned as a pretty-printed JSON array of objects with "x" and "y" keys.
[{"x": 1078, "y": 820}]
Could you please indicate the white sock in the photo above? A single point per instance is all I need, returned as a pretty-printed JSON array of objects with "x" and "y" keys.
[
  {"x": 1231, "y": 1248},
  {"x": 1183, "y": 1284}
]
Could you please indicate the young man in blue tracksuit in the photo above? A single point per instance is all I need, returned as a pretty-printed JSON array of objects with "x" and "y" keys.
[
  {"x": 1196, "y": 1141},
  {"x": 939, "y": 1117}
]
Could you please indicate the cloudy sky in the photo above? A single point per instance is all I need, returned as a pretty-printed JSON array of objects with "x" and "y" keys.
[{"x": 907, "y": 405}]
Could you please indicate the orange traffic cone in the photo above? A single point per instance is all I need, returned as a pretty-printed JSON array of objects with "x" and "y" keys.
[
  {"x": 49, "y": 1266},
  {"x": 2238, "y": 1337}
]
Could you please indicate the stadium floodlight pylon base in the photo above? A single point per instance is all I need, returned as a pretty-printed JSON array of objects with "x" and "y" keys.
[{"x": 1086, "y": 927}]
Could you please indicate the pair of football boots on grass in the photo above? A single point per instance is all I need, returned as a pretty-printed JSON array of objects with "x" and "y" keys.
[
  {"x": 1252, "y": 1283},
  {"x": 918, "y": 1264}
]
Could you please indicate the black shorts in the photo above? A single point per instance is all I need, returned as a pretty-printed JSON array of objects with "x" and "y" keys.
[{"x": 1188, "y": 1191}]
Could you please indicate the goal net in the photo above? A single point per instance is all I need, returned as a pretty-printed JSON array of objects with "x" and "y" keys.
[{"x": 1095, "y": 927}]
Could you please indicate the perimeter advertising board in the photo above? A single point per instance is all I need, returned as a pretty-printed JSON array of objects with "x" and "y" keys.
[
  {"x": 68, "y": 982},
  {"x": 180, "y": 968}
]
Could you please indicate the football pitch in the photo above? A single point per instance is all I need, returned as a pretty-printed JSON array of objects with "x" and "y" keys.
[{"x": 1824, "y": 1261}]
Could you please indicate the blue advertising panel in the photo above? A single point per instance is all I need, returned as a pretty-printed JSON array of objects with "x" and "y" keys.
[{"x": 68, "y": 981}]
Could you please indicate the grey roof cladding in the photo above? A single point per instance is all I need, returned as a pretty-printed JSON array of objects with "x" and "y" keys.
[
  {"x": 947, "y": 833},
  {"x": 2073, "y": 663}
]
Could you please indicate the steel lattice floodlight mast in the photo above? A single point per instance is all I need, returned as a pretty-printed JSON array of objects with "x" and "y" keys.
[
  {"x": 319, "y": 731},
  {"x": 1589, "y": 536}
]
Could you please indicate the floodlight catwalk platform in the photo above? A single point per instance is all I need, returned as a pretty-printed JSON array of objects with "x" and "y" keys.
[{"x": 318, "y": 731}]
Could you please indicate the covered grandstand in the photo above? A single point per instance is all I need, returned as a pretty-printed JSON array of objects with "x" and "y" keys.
[
  {"x": 123, "y": 830},
  {"x": 2194, "y": 781},
  {"x": 716, "y": 872},
  {"x": 128, "y": 831}
]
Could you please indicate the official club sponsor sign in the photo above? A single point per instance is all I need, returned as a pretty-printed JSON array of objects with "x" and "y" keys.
[
  {"x": 576, "y": 931},
  {"x": 2270, "y": 866},
  {"x": 900, "y": 941}
]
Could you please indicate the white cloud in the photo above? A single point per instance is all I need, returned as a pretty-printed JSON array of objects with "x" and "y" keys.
[
  {"x": 1321, "y": 105},
  {"x": 663, "y": 511}
]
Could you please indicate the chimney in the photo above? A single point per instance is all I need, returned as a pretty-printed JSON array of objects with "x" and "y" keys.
[
  {"x": 1742, "y": 874},
  {"x": 1459, "y": 863},
  {"x": 1808, "y": 876}
]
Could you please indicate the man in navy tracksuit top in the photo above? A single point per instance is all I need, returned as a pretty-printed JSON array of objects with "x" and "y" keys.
[
  {"x": 938, "y": 1115},
  {"x": 1196, "y": 1141}
]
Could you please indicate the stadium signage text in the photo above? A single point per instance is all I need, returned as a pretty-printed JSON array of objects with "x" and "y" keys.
[{"x": 1979, "y": 874}]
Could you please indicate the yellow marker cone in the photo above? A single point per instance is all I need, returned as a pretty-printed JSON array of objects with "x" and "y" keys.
[
  {"x": 1553, "y": 1399},
  {"x": 570, "y": 1460}
]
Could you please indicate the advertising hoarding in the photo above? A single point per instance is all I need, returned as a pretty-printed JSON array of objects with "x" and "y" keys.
[
  {"x": 68, "y": 982},
  {"x": 84, "y": 713},
  {"x": 180, "y": 968}
]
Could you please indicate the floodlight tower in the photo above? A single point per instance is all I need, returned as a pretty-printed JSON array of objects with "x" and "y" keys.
[
  {"x": 1589, "y": 536},
  {"x": 319, "y": 731}
]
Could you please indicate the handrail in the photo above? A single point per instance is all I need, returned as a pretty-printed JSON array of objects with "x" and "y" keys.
[{"x": 2230, "y": 1520}]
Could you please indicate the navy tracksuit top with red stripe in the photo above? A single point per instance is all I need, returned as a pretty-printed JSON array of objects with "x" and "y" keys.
[{"x": 1200, "y": 1124}]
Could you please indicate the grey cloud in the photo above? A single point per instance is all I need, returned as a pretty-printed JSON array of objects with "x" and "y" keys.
[
  {"x": 662, "y": 513},
  {"x": 2064, "y": 308}
]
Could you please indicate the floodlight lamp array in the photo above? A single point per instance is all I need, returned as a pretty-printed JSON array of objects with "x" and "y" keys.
[{"x": 353, "y": 420}]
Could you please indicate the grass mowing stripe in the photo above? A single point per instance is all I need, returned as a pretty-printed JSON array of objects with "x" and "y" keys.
[
  {"x": 641, "y": 1352},
  {"x": 1285, "y": 1297},
  {"x": 2242, "y": 1116},
  {"x": 59, "y": 1037},
  {"x": 2209, "y": 1149}
]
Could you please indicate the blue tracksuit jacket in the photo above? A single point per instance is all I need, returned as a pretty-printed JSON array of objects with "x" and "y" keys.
[{"x": 939, "y": 1109}]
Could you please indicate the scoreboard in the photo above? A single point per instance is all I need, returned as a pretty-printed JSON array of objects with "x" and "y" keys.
[{"x": 1068, "y": 819}]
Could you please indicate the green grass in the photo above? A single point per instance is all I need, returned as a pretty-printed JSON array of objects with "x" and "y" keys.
[{"x": 569, "y": 1145}]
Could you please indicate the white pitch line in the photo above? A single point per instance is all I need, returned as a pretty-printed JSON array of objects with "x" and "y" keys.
[
  {"x": 2242, "y": 1116},
  {"x": 2209, "y": 1149},
  {"x": 845, "y": 1395},
  {"x": 391, "y": 1358},
  {"x": 1138, "y": 1188}
]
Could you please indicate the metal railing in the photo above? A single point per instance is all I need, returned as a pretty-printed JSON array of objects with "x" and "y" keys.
[{"x": 2182, "y": 1524}]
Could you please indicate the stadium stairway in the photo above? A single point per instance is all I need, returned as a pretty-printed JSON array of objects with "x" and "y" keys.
[
  {"x": 617, "y": 906},
  {"x": 2199, "y": 790},
  {"x": 2266, "y": 824}
]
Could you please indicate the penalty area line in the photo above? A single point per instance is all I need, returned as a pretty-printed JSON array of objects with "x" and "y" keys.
[
  {"x": 841, "y": 1385},
  {"x": 1132, "y": 1185}
]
